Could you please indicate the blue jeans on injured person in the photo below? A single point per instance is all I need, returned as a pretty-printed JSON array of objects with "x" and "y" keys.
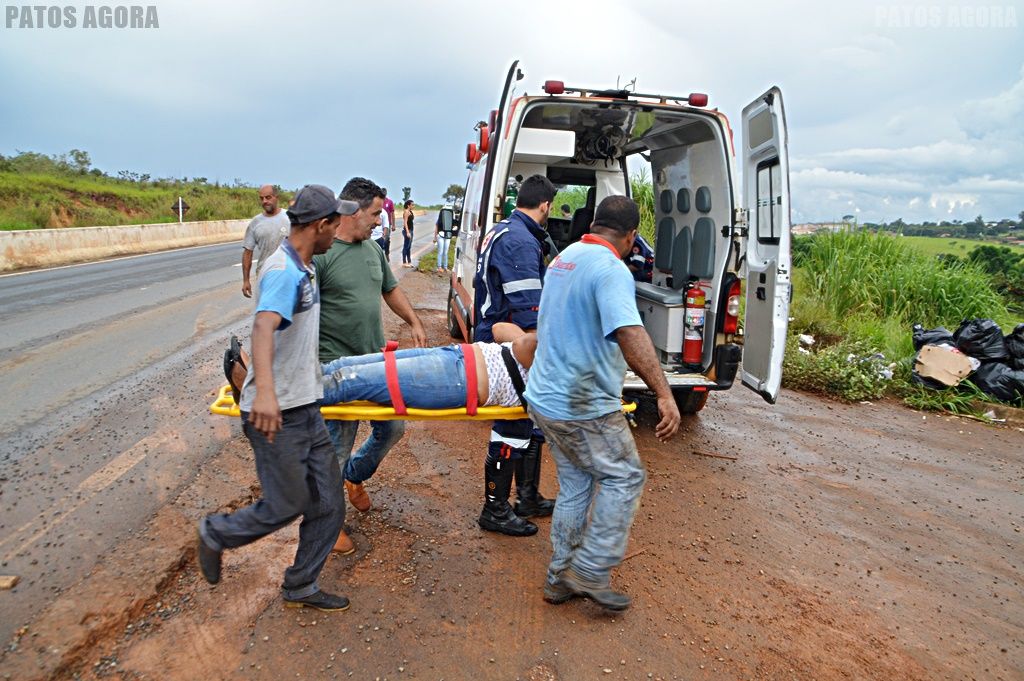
[
  {"x": 430, "y": 378},
  {"x": 600, "y": 474}
]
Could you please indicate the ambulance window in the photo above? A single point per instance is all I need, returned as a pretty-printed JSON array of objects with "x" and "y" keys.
[{"x": 769, "y": 201}]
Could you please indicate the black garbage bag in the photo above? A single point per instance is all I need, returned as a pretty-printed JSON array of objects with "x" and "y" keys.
[
  {"x": 1000, "y": 381},
  {"x": 922, "y": 336},
  {"x": 981, "y": 339},
  {"x": 1015, "y": 347}
]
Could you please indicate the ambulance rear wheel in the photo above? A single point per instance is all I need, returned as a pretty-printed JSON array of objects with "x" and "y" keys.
[{"x": 690, "y": 401}]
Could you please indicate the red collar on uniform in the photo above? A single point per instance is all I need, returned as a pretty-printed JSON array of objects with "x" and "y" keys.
[{"x": 591, "y": 239}]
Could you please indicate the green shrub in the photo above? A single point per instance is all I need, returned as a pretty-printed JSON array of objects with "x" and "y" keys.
[{"x": 847, "y": 370}]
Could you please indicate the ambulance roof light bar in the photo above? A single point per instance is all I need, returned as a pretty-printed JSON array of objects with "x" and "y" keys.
[{"x": 557, "y": 87}]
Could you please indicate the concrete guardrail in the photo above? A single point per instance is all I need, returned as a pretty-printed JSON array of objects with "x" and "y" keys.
[{"x": 50, "y": 247}]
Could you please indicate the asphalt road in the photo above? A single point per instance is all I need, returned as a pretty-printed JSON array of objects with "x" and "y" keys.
[{"x": 107, "y": 370}]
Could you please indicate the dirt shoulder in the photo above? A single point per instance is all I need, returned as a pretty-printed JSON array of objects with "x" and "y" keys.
[{"x": 823, "y": 541}]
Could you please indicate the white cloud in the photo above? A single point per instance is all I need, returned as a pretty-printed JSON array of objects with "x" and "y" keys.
[{"x": 879, "y": 115}]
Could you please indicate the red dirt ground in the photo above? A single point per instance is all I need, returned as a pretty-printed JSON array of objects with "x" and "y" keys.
[{"x": 837, "y": 542}]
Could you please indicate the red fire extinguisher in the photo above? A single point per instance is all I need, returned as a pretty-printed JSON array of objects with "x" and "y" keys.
[{"x": 693, "y": 332}]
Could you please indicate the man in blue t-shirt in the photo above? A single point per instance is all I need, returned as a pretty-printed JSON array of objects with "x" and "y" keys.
[
  {"x": 588, "y": 331},
  {"x": 295, "y": 462}
]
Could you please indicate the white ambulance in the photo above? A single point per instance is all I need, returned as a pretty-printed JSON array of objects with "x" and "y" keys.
[{"x": 712, "y": 229}]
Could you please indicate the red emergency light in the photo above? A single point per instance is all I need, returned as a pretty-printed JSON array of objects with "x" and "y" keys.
[
  {"x": 697, "y": 99},
  {"x": 554, "y": 87},
  {"x": 485, "y": 139}
]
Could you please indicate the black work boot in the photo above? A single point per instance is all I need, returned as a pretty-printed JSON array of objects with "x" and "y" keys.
[
  {"x": 529, "y": 502},
  {"x": 497, "y": 515}
]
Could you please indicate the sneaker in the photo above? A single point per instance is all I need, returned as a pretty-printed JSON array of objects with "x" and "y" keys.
[
  {"x": 602, "y": 594},
  {"x": 557, "y": 593},
  {"x": 321, "y": 600},
  {"x": 358, "y": 496},
  {"x": 344, "y": 545},
  {"x": 209, "y": 561}
]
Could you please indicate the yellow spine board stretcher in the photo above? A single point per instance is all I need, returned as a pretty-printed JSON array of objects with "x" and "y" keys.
[{"x": 372, "y": 411}]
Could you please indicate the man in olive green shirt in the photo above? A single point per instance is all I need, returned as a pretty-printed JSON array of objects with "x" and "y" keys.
[{"x": 353, "y": 277}]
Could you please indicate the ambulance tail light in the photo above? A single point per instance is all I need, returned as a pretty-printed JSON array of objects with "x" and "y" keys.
[{"x": 732, "y": 308}]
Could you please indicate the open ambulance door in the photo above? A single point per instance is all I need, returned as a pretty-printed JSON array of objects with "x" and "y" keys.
[
  {"x": 765, "y": 162},
  {"x": 499, "y": 141}
]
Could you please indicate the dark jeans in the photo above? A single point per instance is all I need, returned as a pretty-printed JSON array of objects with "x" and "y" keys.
[
  {"x": 407, "y": 248},
  {"x": 300, "y": 477}
]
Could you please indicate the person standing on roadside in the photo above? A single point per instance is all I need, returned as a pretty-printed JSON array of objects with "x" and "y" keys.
[
  {"x": 588, "y": 332},
  {"x": 408, "y": 217},
  {"x": 444, "y": 227},
  {"x": 507, "y": 286},
  {"x": 392, "y": 226},
  {"x": 264, "y": 234},
  {"x": 299, "y": 476},
  {"x": 354, "y": 276}
]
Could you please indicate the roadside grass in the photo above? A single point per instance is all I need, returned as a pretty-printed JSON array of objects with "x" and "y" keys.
[
  {"x": 37, "y": 200},
  {"x": 428, "y": 261},
  {"x": 858, "y": 294}
]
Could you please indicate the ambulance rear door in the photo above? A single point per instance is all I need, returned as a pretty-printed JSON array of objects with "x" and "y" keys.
[{"x": 765, "y": 162}]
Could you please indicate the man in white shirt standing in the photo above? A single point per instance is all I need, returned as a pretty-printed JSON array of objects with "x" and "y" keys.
[
  {"x": 382, "y": 233},
  {"x": 263, "y": 235}
]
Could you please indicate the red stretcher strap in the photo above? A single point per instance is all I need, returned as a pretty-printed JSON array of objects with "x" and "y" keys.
[
  {"x": 391, "y": 374},
  {"x": 469, "y": 359}
]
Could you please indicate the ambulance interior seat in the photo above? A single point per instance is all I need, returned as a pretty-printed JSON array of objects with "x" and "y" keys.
[
  {"x": 683, "y": 254},
  {"x": 582, "y": 218}
]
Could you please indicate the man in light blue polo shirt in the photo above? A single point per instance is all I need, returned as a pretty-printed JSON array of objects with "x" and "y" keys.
[{"x": 588, "y": 331}]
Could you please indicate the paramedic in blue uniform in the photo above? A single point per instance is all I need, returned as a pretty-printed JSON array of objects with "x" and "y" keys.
[{"x": 509, "y": 274}]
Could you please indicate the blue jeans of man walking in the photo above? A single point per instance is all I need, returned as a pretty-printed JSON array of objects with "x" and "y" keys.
[{"x": 600, "y": 474}]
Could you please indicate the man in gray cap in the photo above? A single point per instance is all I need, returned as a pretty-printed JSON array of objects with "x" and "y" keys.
[{"x": 295, "y": 460}]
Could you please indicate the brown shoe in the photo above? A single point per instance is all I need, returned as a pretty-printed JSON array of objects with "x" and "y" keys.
[
  {"x": 358, "y": 496},
  {"x": 344, "y": 545}
]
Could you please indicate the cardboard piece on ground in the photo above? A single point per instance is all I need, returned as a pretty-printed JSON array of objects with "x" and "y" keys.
[
  {"x": 8, "y": 581},
  {"x": 946, "y": 365}
]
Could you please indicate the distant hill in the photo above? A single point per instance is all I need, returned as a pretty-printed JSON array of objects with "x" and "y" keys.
[{"x": 38, "y": 191}]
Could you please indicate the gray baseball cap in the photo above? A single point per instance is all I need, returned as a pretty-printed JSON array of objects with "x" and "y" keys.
[{"x": 315, "y": 201}]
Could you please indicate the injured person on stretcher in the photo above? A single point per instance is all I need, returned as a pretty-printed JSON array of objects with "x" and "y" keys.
[{"x": 427, "y": 378}]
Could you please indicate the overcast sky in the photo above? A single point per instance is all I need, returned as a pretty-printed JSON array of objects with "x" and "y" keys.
[{"x": 912, "y": 110}]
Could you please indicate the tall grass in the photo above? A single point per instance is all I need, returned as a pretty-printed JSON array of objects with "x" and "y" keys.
[
  {"x": 643, "y": 194},
  {"x": 641, "y": 190},
  {"x": 858, "y": 292},
  {"x": 864, "y": 274}
]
